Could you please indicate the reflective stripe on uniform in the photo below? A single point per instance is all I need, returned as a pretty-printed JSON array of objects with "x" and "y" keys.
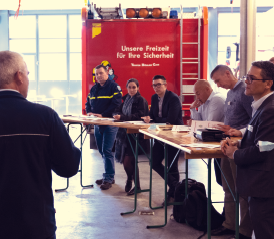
[
  {"x": 104, "y": 97},
  {"x": 8, "y": 135}
]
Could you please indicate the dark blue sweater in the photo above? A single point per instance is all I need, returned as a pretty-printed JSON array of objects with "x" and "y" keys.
[
  {"x": 104, "y": 99},
  {"x": 33, "y": 141}
]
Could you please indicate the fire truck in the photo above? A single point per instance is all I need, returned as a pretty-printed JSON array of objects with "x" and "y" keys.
[{"x": 144, "y": 43}]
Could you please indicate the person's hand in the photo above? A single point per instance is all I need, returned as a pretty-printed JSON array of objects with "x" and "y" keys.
[
  {"x": 223, "y": 146},
  {"x": 188, "y": 122},
  {"x": 117, "y": 117},
  {"x": 89, "y": 114},
  {"x": 225, "y": 143},
  {"x": 231, "y": 148},
  {"x": 195, "y": 104},
  {"x": 146, "y": 119},
  {"x": 224, "y": 128},
  {"x": 234, "y": 132},
  {"x": 98, "y": 115},
  {"x": 228, "y": 147}
]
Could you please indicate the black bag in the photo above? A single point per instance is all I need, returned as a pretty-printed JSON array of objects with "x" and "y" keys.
[
  {"x": 209, "y": 135},
  {"x": 194, "y": 208}
]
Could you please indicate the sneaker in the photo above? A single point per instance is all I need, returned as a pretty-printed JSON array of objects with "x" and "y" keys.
[
  {"x": 128, "y": 185},
  {"x": 105, "y": 185},
  {"x": 169, "y": 199},
  {"x": 100, "y": 181}
]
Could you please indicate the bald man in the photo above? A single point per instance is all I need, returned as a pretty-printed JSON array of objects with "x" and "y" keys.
[
  {"x": 271, "y": 59},
  {"x": 210, "y": 108},
  {"x": 238, "y": 113},
  {"x": 210, "y": 104}
]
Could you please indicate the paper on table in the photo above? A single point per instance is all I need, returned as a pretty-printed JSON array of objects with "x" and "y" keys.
[
  {"x": 136, "y": 122},
  {"x": 72, "y": 115},
  {"x": 153, "y": 126},
  {"x": 111, "y": 119},
  {"x": 199, "y": 124},
  {"x": 139, "y": 122},
  {"x": 197, "y": 145},
  {"x": 88, "y": 116},
  {"x": 180, "y": 128}
]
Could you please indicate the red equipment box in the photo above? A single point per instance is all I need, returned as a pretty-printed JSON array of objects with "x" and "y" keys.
[{"x": 142, "y": 48}]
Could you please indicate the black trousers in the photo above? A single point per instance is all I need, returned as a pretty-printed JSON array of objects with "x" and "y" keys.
[
  {"x": 218, "y": 173},
  {"x": 158, "y": 157},
  {"x": 262, "y": 216},
  {"x": 52, "y": 237}
]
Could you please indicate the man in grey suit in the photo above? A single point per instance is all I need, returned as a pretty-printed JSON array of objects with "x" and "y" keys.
[
  {"x": 254, "y": 160},
  {"x": 237, "y": 113}
]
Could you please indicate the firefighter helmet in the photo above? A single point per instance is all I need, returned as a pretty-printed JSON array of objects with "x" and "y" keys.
[
  {"x": 106, "y": 63},
  {"x": 93, "y": 75}
]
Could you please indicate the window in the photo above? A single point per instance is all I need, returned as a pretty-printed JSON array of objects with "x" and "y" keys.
[
  {"x": 228, "y": 34},
  {"x": 22, "y": 27},
  {"x": 30, "y": 61},
  {"x": 53, "y": 67},
  {"x": 51, "y": 46},
  {"x": 52, "y": 26},
  {"x": 265, "y": 36}
]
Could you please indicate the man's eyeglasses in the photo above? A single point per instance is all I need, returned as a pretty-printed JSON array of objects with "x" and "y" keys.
[
  {"x": 249, "y": 79},
  {"x": 157, "y": 85}
]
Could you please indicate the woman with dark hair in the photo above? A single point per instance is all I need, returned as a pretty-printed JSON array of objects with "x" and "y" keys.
[{"x": 134, "y": 107}]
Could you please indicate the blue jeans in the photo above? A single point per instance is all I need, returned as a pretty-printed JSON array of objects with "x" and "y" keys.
[{"x": 105, "y": 136}]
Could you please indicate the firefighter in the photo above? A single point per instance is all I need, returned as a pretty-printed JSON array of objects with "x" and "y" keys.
[{"x": 102, "y": 100}]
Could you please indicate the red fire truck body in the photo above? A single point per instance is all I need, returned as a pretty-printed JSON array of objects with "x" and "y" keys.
[{"x": 142, "y": 48}]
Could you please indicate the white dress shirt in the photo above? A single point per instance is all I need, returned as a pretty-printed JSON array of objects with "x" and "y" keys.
[
  {"x": 255, "y": 105},
  {"x": 211, "y": 110}
]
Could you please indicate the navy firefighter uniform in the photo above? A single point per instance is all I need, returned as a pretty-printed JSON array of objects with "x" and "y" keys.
[{"x": 103, "y": 100}]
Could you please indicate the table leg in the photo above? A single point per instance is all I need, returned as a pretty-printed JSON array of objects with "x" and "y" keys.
[
  {"x": 237, "y": 215},
  {"x": 81, "y": 149},
  {"x": 166, "y": 166},
  {"x": 186, "y": 182},
  {"x": 150, "y": 175},
  {"x": 135, "y": 152},
  {"x": 136, "y": 165},
  {"x": 81, "y": 169},
  {"x": 186, "y": 178},
  {"x": 236, "y": 200},
  {"x": 63, "y": 189},
  {"x": 209, "y": 198},
  {"x": 165, "y": 207}
]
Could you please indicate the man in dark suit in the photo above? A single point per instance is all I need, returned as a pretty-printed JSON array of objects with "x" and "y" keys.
[
  {"x": 165, "y": 108},
  {"x": 254, "y": 160}
]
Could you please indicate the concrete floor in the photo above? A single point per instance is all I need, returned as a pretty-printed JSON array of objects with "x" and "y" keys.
[{"x": 95, "y": 214}]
